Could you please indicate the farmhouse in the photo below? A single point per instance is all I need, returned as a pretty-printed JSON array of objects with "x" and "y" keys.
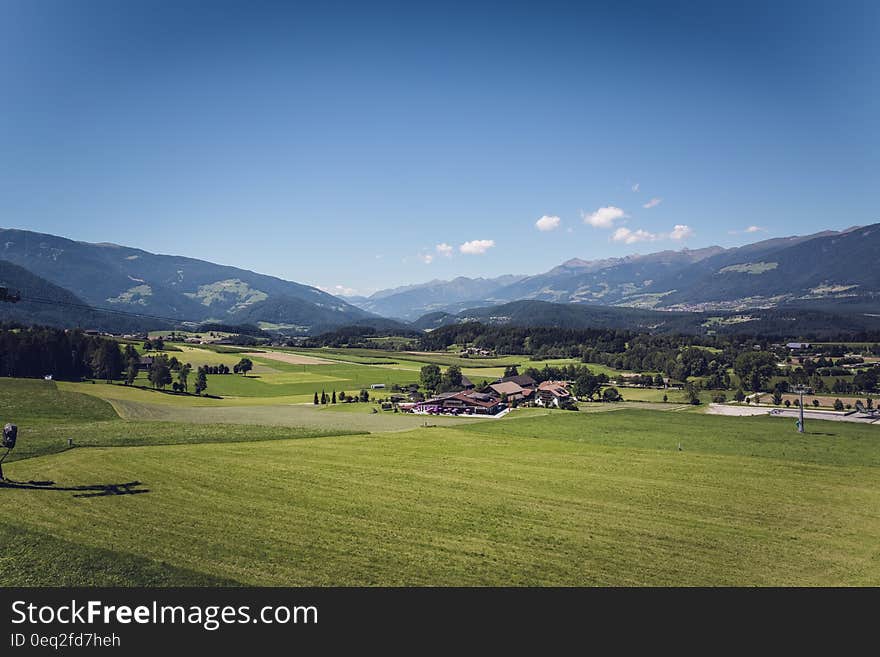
[
  {"x": 145, "y": 362},
  {"x": 797, "y": 346},
  {"x": 514, "y": 391},
  {"x": 522, "y": 380},
  {"x": 461, "y": 403},
  {"x": 553, "y": 393},
  {"x": 473, "y": 351}
]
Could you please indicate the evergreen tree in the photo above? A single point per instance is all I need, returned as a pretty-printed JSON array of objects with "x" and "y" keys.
[
  {"x": 107, "y": 360},
  {"x": 183, "y": 376},
  {"x": 201, "y": 380},
  {"x": 131, "y": 373}
]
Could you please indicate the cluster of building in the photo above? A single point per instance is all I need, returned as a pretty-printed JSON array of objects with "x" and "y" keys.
[
  {"x": 505, "y": 392},
  {"x": 476, "y": 351}
]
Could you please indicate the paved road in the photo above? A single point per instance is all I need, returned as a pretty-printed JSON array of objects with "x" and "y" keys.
[{"x": 726, "y": 409}]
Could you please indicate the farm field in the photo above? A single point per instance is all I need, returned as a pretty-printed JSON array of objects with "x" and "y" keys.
[
  {"x": 673, "y": 395},
  {"x": 278, "y": 491},
  {"x": 554, "y": 498},
  {"x": 48, "y": 413},
  {"x": 564, "y": 499}
]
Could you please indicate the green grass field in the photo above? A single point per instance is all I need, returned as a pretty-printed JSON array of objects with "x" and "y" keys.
[
  {"x": 538, "y": 498},
  {"x": 48, "y": 413},
  {"x": 347, "y": 370}
]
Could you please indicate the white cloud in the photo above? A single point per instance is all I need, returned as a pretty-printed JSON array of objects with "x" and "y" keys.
[
  {"x": 476, "y": 247},
  {"x": 604, "y": 217},
  {"x": 750, "y": 229},
  {"x": 444, "y": 249},
  {"x": 653, "y": 203},
  {"x": 681, "y": 232},
  {"x": 635, "y": 187},
  {"x": 339, "y": 290},
  {"x": 547, "y": 223},
  {"x": 632, "y": 236},
  {"x": 627, "y": 236},
  {"x": 427, "y": 258}
]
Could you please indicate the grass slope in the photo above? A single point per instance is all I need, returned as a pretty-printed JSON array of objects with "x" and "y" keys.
[
  {"x": 559, "y": 499},
  {"x": 42, "y": 560},
  {"x": 47, "y": 414}
]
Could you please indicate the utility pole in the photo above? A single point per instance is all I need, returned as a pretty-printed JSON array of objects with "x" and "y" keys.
[
  {"x": 10, "y": 433},
  {"x": 800, "y": 390}
]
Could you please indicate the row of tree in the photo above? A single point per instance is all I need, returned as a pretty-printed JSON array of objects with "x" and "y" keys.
[
  {"x": 362, "y": 396},
  {"x": 65, "y": 355}
]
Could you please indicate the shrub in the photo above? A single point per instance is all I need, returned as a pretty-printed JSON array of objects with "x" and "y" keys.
[{"x": 611, "y": 395}]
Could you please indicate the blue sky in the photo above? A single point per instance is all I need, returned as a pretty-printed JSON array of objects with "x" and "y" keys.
[{"x": 368, "y": 145}]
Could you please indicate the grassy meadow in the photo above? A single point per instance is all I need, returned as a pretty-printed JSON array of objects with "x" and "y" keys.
[{"x": 260, "y": 488}]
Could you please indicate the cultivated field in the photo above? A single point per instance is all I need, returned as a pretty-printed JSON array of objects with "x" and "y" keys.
[
  {"x": 288, "y": 357},
  {"x": 564, "y": 499}
]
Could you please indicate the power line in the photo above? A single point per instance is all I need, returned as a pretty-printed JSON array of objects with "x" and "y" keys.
[{"x": 112, "y": 311}]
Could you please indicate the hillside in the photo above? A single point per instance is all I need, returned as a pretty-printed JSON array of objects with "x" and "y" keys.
[
  {"x": 823, "y": 270},
  {"x": 58, "y": 307},
  {"x": 830, "y": 267},
  {"x": 560, "y": 315},
  {"x": 409, "y": 302},
  {"x": 782, "y": 322},
  {"x": 128, "y": 279},
  {"x": 605, "y": 282}
]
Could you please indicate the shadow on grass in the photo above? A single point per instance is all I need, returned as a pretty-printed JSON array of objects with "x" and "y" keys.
[{"x": 93, "y": 490}]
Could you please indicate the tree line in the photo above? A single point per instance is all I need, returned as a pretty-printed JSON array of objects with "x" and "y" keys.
[{"x": 65, "y": 355}]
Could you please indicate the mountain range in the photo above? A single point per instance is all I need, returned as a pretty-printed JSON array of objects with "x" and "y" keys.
[
  {"x": 136, "y": 281},
  {"x": 823, "y": 269},
  {"x": 809, "y": 323},
  {"x": 410, "y": 302},
  {"x": 108, "y": 286}
]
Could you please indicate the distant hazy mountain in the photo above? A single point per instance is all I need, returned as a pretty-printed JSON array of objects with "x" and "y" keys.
[
  {"x": 604, "y": 282},
  {"x": 411, "y": 301},
  {"x": 831, "y": 268},
  {"x": 827, "y": 269},
  {"x": 777, "y": 322},
  {"x": 123, "y": 278},
  {"x": 836, "y": 271}
]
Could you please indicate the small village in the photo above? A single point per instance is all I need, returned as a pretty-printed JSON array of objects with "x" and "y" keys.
[{"x": 497, "y": 399}]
